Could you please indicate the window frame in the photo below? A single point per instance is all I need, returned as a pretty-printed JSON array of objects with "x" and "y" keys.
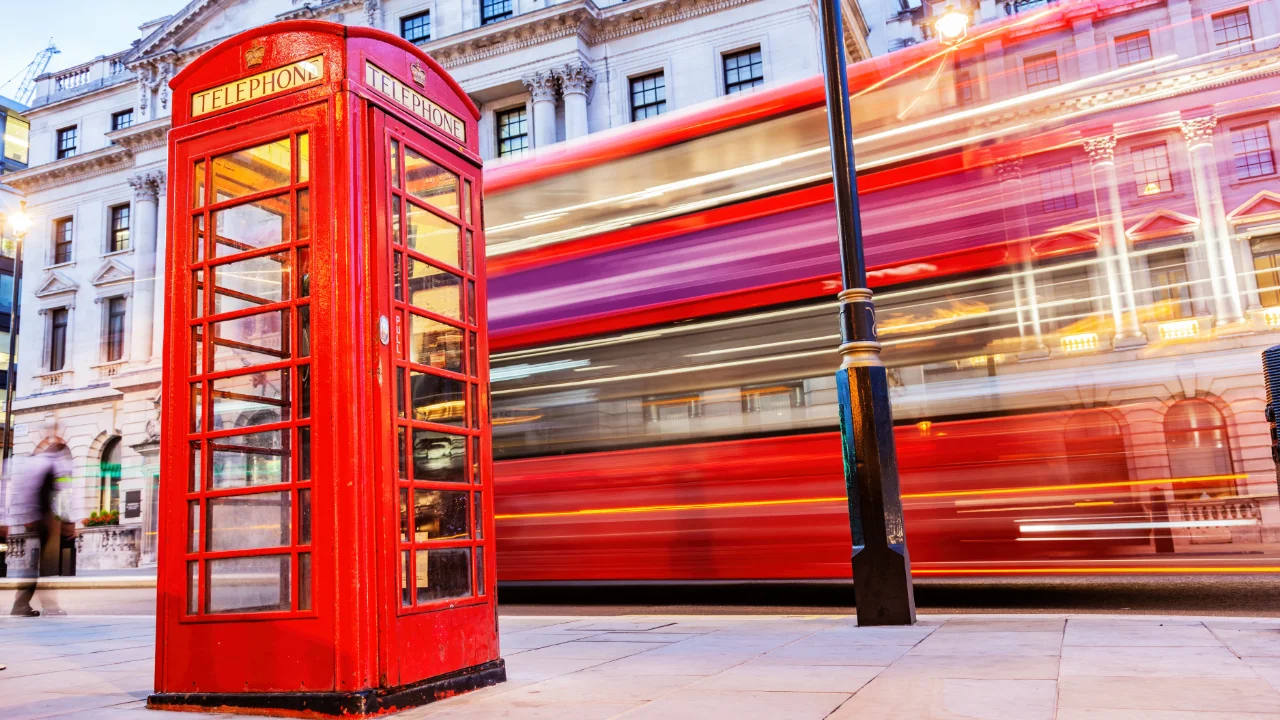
[
  {"x": 61, "y": 148},
  {"x": 1138, "y": 35},
  {"x": 114, "y": 233},
  {"x": 1027, "y": 69},
  {"x": 108, "y": 338},
  {"x": 1140, "y": 187},
  {"x": 405, "y": 21},
  {"x": 1067, "y": 197},
  {"x": 117, "y": 116},
  {"x": 1270, "y": 150},
  {"x": 52, "y": 346},
  {"x": 631, "y": 94},
  {"x": 1228, "y": 48},
  {"x": 741, "y": 85},
  {"x": 488, "y": 19},
  {"x": 60, "y": 237},
  {"x": 499, "y": 125}
]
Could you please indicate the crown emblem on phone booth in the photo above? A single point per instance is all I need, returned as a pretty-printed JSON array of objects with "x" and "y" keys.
[
  {"x": 253, "y": 56},
  {"x": 419, "y": 75}
]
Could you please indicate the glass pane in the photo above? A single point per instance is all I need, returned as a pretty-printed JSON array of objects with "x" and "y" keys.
[
  {"x": 251, "y": 340},
  {"x": 249, "y": 522},
  {"x": 435, "y": 344},
  {"x": 395, "y": 221},
  {"x": 197, "y": 352},
  {"x": 395, "y": 163},
  {"x": 304, "y": 391},
  {"x": 304, "y": 579},
  {"x": 304, "y": 454},
  {"x": 197, "y": 188},
  {"x": 470, "y": 252},
  {"x": 196, "y": 467},
  {"x": 400, "y": 406},
  {"x": 251, "y": 170},
  {"x": 304, "y": 214},
  {"x": 252, "y": 584},
  {"x": 439, "y": 457},
  {"x": 400, "y": 454},
  {"x": 197, "y": 299},
  {"x": 248, "y": 460},
  {"x": 475, "y": 355},
  {"x": 304, "y": 272},
  {"x": 406, "y": 571},
  {"x": 443, "y": 573},
  {"x": 432, "y": 235},
  {"x": 466, "y": 202},
  {"x": 397, "y": 275},
  {"x": 436, "y": 399},
  {"x": 480, "y": 570},
  {"x": 404, "y": 514},
  {"x": 197, "y": 239},
  {"x": 440, "y": 515},
  {"x": 479, "y": 506},
  {"x": 435, "y": 290},
  {"x": 304, "y": 157},
  {"x": 471, "y": 301},
  {"x": 248, "y": 283},
  {"x": 197, "y": 409},
  {"x": 251, "y": 226},
  {"x": 304, "y": 331},
  {"x": 304, "y": 517},
  {"x": 430, "y": 183},
  {"x": 475, "y": 460},
  {"x": 193, "y": 587},
  {"x": 193, "y": 526},
  {"x": 249, "y": 400}
]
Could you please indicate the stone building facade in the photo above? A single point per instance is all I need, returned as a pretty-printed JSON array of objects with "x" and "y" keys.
[{"x": 542, "y": 72}]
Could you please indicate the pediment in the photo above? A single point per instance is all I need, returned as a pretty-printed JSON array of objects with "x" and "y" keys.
[
  {"x": 1161, "y": 224},
  {"x": 1064, "y": 244},
  {"x": 112, "y": 271},
  {"x": 1259, "y": 208},
  {"x": 55, "y": 283}
]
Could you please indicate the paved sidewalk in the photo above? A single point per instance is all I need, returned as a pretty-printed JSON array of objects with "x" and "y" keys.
[{"x": 1072, "y": 667}]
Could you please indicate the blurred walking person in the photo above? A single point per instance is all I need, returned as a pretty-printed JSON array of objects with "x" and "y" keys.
[{"x": 31, "y": 507}]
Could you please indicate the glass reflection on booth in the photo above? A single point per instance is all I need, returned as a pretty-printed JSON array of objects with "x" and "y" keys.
[
  {"x": 251, "y": 170},
  {"x": 260, "y": 280},
  {"x": 247, "y": 400},
  {"x": 443, "y": 573},
  {"x": 249, "y": 522},
  {"x": 437, "y": 399},
  {"x": 260, "y": 458},
  {"x": 432, "y": 235},
  {"x": 251, "y": 340},
  {"x": 430, "y": 183},
  {"x": 303, "y": 219},
  {"x": 197, "y": 188},
  {"x": 248, "y": 584},
  {"x": 435, "y": 290},
  {"x": 304, "y": 157},
  {"x": 439, "y": 515},
  {"x": 439, "y": 457},
  {"x": 251, "y": 226},
  {"x": 435, "y": 344}
]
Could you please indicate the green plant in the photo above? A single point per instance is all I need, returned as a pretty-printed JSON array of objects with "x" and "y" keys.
[{"x": 106, "y": 517}]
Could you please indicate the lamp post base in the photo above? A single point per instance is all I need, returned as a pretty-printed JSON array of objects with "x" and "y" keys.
[{"x": 362, "y": 703}]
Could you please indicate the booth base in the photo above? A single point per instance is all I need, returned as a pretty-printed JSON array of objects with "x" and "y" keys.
[{"x": 374, "y": 701}]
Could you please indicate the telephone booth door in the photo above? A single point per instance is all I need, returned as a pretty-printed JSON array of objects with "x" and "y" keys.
[{"x": 430, "y": 251}]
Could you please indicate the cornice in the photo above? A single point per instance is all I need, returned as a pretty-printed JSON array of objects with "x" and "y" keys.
[
  {"x": 171, "y": 29},
  {"x": 80, "y": 167},
  {"x": 320, "y": 10},
  {"x": 144, "y": 136}
]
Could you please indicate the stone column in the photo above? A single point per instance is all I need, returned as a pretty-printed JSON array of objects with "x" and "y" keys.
[
  {"x": 575, "y": 81},
  {"x": 1017, "y": 233},
  {"x": 147, "y": 189},
  {"x": 1214, "y": 231},
  {"x": 542, "y": 86},
  {"x": 1113, "y": 245}
]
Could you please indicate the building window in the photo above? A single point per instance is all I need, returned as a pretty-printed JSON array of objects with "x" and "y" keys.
[
  {"x": 1041, "y": 71},
  {"x": 1133, "y": 49},
  {"x": 966, "y": 83},
  {"x": 416, "y": 28},
  {"x": 1057, "y": 188},
  {"x": 67, "y": 142},
  {"x": 494, "y": 10},
  {"x": 648, "y": 96},
  {"x": 122, "y": 120},
  {"x": 109, "y": 476},
  {"x": 1251, "y": 147},
  {"x": 1151, "y": 170},
  {"x": 1170, "y": 290},
  {"x": 17, "y": 139},
  {"x": 58, "y": 339},
  {"x": 119, "y": 228},
  {"x": 62, "y": 232},
  {"x": 743, "y": 70},
  {"x": 1195, "y": 434},
  {"x": 1266, "y": 266},
  {"x": 113, "y": 337},
  {"x": 513, "y": 132},
  {"x": 1232, "y": 31}
]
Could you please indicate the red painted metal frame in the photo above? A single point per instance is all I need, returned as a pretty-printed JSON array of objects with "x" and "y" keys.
[{"x": 351, "y": 640}]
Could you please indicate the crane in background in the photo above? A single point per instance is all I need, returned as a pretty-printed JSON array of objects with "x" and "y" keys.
[{"x": 27, "y": 88}]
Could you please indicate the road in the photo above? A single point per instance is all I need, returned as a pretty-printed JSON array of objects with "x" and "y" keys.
[{"x": 1252, "y": 595}]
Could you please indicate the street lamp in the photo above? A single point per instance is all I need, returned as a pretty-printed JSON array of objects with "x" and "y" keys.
[
  {"x": 21, "y": 223},
  {"x": 951, "y": 25},
  {"x": 881, "y": 566}
]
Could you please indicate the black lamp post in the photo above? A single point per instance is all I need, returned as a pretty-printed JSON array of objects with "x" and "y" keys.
[{"x": 881, "y": 566}]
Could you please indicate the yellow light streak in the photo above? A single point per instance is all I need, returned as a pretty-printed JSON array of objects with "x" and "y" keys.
[
  {"x": 841, "y": 498},
  {"x": 1097, "y": 503}
]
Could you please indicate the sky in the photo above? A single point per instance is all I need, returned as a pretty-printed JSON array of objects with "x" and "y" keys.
[{"x": 82, "y": 30}]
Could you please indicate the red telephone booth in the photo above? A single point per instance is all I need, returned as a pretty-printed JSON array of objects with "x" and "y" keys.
[{"x": 327, "y": 498}]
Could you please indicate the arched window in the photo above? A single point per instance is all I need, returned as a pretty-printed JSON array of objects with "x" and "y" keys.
[
  {"x": 1196, "y": 435},
  {"x": 109, "y": 475},
  {"x": 1095, "y": 448}
]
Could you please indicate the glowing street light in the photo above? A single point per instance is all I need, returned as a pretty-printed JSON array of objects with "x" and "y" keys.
[
  {"x": 20, "y": 221},
  {"x": 951, "y": 24}
]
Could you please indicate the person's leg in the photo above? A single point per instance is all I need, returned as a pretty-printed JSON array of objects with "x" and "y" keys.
[
  {"x": 51, "y": 560},
  {"x": 22, "y": 602}
]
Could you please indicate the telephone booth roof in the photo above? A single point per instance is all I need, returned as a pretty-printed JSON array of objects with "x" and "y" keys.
[{"x": 295, "y": 61}]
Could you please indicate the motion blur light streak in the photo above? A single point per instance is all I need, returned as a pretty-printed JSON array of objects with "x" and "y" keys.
[{"x": 1066, "y": 527}]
